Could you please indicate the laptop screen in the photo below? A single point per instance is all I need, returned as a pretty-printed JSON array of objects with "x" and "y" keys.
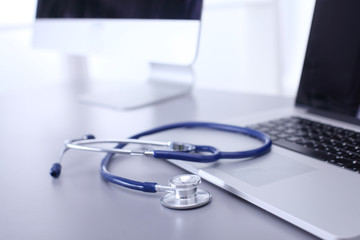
[{"x": 330, "y": 81}]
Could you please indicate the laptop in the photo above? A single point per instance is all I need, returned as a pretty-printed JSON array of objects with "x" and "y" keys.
[{"x": 310, "y": 177}]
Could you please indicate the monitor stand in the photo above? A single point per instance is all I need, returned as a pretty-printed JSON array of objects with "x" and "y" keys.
[{"x": 164, "y": 82}]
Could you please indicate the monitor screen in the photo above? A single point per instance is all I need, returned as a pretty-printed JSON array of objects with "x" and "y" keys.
[
  {"x": 138, "y": 9},
  {"x": 160, "y": 31}
]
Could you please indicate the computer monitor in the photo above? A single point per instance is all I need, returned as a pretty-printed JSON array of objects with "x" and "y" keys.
[{"x": 163, "y": 32}]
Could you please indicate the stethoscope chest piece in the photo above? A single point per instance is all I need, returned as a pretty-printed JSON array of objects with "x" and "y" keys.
[{"x": 185, "y": 194}]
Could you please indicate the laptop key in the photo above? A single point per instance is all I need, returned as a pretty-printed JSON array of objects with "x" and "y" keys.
[{"x": 293, "y": 138}]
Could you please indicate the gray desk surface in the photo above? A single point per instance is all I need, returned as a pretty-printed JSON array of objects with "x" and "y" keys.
[{"x": 80, "y": 205}]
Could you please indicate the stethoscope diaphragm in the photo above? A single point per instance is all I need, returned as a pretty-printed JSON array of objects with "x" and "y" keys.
[{"x": 185, "y": 194}]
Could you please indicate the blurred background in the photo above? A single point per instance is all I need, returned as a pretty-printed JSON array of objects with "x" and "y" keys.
[{"x": 254, "y": 46}]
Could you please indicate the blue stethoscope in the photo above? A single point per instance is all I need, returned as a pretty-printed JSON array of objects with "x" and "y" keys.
[{"x": 182, "y": 192}]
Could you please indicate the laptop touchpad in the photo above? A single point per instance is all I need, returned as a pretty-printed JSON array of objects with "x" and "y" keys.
[{"x": 266, "y": 169}]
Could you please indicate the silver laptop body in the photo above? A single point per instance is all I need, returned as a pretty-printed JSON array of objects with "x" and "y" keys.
[{"x": 314, "y": 195}]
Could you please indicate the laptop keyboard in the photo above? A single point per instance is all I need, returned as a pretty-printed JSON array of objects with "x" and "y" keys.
[{"x": 335, "y": 145}]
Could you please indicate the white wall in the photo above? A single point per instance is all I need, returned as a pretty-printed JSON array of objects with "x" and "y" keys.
[
  {"x": 16, "y": 12},
  {"x": 21, "y": 66},
  {"x": 246, "y": 45}
]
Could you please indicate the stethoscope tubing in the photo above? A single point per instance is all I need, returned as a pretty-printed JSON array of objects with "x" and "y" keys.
[{"x": 216, "y": 154}]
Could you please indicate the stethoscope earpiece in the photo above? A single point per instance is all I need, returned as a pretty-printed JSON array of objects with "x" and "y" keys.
[
  {"x": 89, "y": 136},
  {"x": 55, "y": 170}
]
